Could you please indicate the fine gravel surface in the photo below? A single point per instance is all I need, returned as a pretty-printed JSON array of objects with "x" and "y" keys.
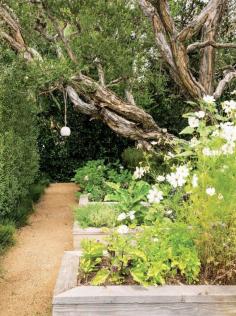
[{"x": 29, "y": 269}]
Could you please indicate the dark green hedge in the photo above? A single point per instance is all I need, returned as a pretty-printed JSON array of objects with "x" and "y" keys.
[
  {"x": 89, "y": 140},
  {"x": 18, "y": 142}
]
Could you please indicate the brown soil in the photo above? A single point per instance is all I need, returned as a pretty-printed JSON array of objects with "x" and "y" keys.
[{"x": 30, "y": 268}]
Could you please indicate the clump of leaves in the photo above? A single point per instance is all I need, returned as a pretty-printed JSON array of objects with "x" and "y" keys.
[
  {"x": 97, "y": 215},
  {"x": 7, "y": 231},
  {"x": 130, "y": 199},
  {"x": 93, "y": 176},
  {"x": 164, "y": 253}
]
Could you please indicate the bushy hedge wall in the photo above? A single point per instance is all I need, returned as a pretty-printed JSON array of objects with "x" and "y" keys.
[
  {"x": 18, "y": 142},
  {"x": 89, "y": 140}
]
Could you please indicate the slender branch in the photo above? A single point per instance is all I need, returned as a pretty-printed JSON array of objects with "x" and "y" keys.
[
  {"x": 159, "y": 31},
  {"x": 129, "y": 97},
  {"x": 196, "y": 24},
  {"x": 199, "y": 45},
  {"x": 101, "y": 74},
  {"x": 61, "y": 35},
  {"x": 224, "y": 83},
  {"x": 165, "y": 16},
  {"x": 115, "y": 81}
]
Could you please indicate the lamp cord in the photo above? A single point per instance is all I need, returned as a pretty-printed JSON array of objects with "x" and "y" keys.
[{"x": 65, "y": 106}]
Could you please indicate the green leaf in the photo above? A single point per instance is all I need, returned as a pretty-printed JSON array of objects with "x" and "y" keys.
[
  {"x": 139, "y": 277},
  {"x": 187, "y": 130},
  {"x": 100, "y": 277}
]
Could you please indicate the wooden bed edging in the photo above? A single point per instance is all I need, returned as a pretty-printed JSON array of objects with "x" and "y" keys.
[{"x": 198, "y": 300}]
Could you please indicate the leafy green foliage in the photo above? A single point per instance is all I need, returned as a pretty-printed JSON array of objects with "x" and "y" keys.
[
  {"x": 18, "y": 147},
  {"x": 96, "y": 215},
  {"x": 132, "y": 157},
  {"x": 6, "y": 236},
  {"x": 93, "y": 176},
  {"x": 160, "y": 254},
  {"x": 130, "y": 199}
]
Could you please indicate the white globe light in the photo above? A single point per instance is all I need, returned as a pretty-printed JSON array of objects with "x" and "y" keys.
[{"x": 65, "y": 131}]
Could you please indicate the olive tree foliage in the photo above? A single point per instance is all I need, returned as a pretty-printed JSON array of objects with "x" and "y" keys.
[{"x": 104, "y": 55}]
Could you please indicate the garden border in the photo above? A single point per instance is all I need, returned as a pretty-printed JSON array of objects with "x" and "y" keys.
[{"x": 177, "y": 300}]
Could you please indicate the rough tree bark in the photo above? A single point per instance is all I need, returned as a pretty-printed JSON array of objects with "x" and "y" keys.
[{"x": 173, "y": 46}]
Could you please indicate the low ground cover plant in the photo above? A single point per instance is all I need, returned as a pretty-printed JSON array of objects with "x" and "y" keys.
[
  {"x": 97, "y": 215},
  {"x": 187, "y": 214},
  {"x": 93, "y": 176},
  {"x": 163, "y": 253}
]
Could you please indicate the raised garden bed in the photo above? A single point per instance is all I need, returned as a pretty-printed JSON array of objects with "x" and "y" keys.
[
  {"x": 94, "y": 233},
  {"x": 70, "y": 299}
]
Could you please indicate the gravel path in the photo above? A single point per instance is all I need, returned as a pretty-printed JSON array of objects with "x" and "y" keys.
[{"x": 30, "y": 268}]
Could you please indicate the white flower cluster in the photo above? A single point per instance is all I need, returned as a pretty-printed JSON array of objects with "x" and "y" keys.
[
  {"x": 178, "y": 178},
  {"x": 140, "y": 172},
  {"x": 123, "y": 229},
  {"x": 131, "y": 4},
  {"x": 130, "y": 215},
  {"x": 228, "y": 131},
  {"x": 229, "y": 107},
  {"x": 193, "y": 121},
  {"x": 210, "y": 191},
  {"x": 209, "y": 99},
  {"x": 154, "y": 195}
]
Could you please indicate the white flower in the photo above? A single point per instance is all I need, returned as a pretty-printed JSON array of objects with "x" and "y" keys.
[
  {"x": 207, "y": 152},
  {"x": 170, "y": 154},
  {"x": 131, "y": 215},
  {"x": 211, "y": 191},
  {"x": 123, "y": 229},
  {"x": 228, "y": 148},
  {"x": 193, "y": 122},
  {"x": 228, "y": 131},
  {"x": 154, "y": 195},
  {"x": 178, "y": 178},
  {"x": 169, "y": 212},
  {"x": 200, "y": 114},
  {"x": 121, "y": 217},
  {"x": 86, "y": 178},
  {"x": 209, "y": 99},
  {"x": 154, "y": 143},
  {"x": 133, "y": 35},
  {"x": 195, "y": 181},
  {"x": 139, "y": 172},
  {"x": 229, "y": 106},
  {"x": 160, "y": 178},
  {"x": 194, "y": 142}
]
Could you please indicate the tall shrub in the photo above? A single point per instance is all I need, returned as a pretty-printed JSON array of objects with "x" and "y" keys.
[{"x": 18, "y": 147}]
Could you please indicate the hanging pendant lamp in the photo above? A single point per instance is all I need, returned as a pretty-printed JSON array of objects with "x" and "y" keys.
[{"x": 65, "y": 130}]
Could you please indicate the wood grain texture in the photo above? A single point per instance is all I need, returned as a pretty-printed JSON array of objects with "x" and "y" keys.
[
  {"x": 67, "y": 277},
  {"x": 179, "y": 309}
]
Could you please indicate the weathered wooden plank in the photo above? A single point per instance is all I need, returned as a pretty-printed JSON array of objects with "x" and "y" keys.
[
  {"x": 123, "y": 294},
  {"x": 67, "y": 277},
  {"x": 83, "y": 200},
  {"x": 175, "y": 309},
  {"x": 136, "y": 300}
]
